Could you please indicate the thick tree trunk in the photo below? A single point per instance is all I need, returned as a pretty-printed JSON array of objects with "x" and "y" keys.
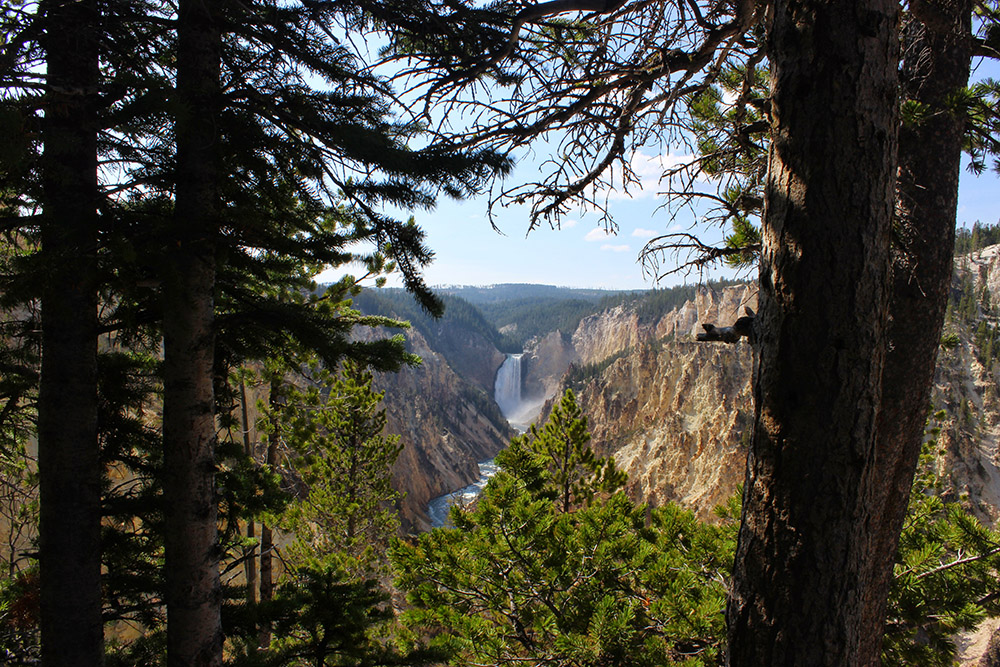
[
  {"x": 193, "y": 590},
  {"x": 798, "y": 592},
  {"x": 68, "y": 456},
  {"x": 936, "y": 56}
]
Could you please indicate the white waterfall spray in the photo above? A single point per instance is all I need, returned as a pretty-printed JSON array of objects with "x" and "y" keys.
[{"x": 507, "y": 388}]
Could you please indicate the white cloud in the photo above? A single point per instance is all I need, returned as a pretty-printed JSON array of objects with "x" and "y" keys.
[
  {"x": 641, "y": 233},
  {"x": 614, "y": 248},
  {"x": 729, "y": 97},
  {"x": 648, "y": 169},
  {"x": 597, "y": 234},
  {"x": 567, "y": 224}
]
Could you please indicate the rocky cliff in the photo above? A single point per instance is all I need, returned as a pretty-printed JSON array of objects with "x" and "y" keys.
[
  {"x": 967, "y": 385},
  {"x": 468, "y": 353},
  {"x": 543, "y": 365},
  {"x": 443, "y": 409},
  {"x": 631, "y": 324},
  {"x": 446, "y": 424},
  {"x": 673, "y": 412}
]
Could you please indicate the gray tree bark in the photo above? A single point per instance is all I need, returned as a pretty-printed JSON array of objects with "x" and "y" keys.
[
  {"x": 937, "y": 50},
  {"x": 193, "y": 589},
  {"x": 798, "y": 589},
  {"x": 68, "y": 453}
]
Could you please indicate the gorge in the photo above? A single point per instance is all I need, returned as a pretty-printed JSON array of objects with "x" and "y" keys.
[{"x": 673, "y": 412}]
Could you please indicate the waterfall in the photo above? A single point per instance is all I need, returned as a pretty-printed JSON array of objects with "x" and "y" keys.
[{"x": 507, "y": 388}]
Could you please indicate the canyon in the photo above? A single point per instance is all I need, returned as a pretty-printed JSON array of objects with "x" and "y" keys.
[{"x": 675, "y": 413}]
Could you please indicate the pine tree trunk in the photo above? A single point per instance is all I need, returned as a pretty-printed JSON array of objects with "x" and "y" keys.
[
  {"x": 193, "y": 590},
  {"x": 797, "y": 593},
  {"x": 68, "y": 455},
  {"x": 936, "y": 57},
  {"x": 250, "y": 555},
  {"x": 266, "y": 537},
  {"x": 267, "y": 553}
]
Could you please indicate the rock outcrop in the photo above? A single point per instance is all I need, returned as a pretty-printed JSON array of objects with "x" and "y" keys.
[
  {"x": 470, "y": 355},
  {"x": 543, "y": 365},
  {"x": 671, "y": 411},
  {"x": 674, "y": 415},
  {"x": 447, "y": 424}
]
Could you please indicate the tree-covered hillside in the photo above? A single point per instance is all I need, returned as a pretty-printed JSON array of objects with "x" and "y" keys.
[
  {"x": 400, "y": 304},
  {"x": 517, "y": 291},
  {"x": 509, "y": 315}
]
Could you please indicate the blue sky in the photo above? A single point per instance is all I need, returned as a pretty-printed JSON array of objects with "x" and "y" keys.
[{"x": 470, "y": 252}]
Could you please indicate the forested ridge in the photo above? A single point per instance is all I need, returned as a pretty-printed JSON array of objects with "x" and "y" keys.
[
  {"x": 193, "y": 451},
  {"x": 510, "y": 315}
]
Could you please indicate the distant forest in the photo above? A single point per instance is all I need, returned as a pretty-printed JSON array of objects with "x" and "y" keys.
[
  {"x": 980, "y": 236},
  {"x": 510, "y": 315}
]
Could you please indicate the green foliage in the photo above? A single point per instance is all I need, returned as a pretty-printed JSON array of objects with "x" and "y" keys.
[
  {"x": 945, "y": 573},
  {"x": 329, "y": 608},
  {"x": 980, "y": 236},
  {"x": 334, "y": 431},
  {"x": 578, "y": 375},
  {"x": 744, "y": 241},
  {"x": 556, "y": 462},
  {"x": 19, "y": 640},
  {"x": 524, "y": 577},
  {"x": 949, "y": 341},
  {"x": 322, "y": 615},
  {"x": 400, "y": 305},
  {"x": 979, "y": 103}
]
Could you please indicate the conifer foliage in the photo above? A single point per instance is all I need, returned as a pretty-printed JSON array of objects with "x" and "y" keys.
[
  {"x": 555, "y": 565},
  {"x": 334, "y": 429},
  {"x": 944, "y": 579},
  {"x": 227, "y": 153}
]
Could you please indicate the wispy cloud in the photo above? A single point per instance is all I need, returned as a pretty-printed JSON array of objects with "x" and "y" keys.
[
  {"x": 641, "y": 233},
  {"x": 614, "y": 248},
  {"x": 597, "y": 234},
  {"x": 649, "y": 170},
  {"x": 567, "y": 224}
]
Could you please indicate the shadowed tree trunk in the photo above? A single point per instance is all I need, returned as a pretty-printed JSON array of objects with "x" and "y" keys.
[
  {"x": 797, "y": 592},
  {"x": 68, "y": 457},
  {"x": 193, "y": 590},
  {"x": 250, "y": 554},
  {"x": 266, "y": 536},
  {"x": 936, "y": 56}
]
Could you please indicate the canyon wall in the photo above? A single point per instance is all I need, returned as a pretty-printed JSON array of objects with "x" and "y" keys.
[
  {"x": 673, "y": 412},
  {"x": 446, "y": 419}
]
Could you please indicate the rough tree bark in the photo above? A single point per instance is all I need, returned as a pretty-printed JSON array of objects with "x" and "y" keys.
[
  {"x": 68, "y": 456},
  {"x": 798, "y": 589},
  {"x": 193, "y": 590},
  {"x": 266, "y": 536},
  {"x": 937, "y": 50},
  {"x": 250, "y": 553}
]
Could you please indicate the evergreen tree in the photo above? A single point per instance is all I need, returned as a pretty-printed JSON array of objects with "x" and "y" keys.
[
  {"x": 522, "y": 578},
  {"x": 328, "y": 603},
  {"x": 650, "y": 60},
  {"x": 945, "y": 572},
  {"x": 334, "y": 430},
  {"x": 559, "y": 460},
  {"x": 308, "y": 171}
]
